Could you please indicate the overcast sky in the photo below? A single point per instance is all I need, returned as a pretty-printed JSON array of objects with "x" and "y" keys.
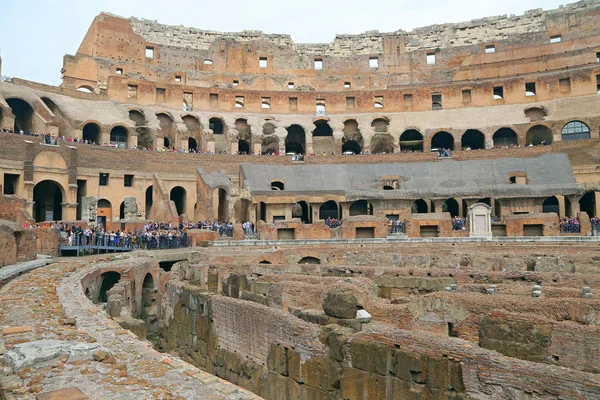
[{"x": 36, "y": 34}]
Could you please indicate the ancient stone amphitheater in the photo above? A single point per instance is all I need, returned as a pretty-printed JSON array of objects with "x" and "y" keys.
[{"x": 425, "y": 209}]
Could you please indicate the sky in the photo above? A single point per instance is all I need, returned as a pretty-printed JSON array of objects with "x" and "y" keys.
[{"x": 36, "y": 34}]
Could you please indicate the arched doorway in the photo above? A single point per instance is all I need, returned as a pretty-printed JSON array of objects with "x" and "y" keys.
[
  {"x": 451, "y": 206},
  {"x": 587, "y": 204},
  {"x": 194, "y": 131},
  {"x": 47, "y": 197},
  {"x": 91, "y": 133},
  {"x": 295, "y": 141},
  {"x": 539, "y": 134},
  {"x": 122, "y": 211},
  {"x": 244, "y": 136},
  {"x": 148, "y": 295},
  {"x": 361, "y": 207},
  {"x": 322, "y": 129},
  {"x": 352, "y": 141},
  {"x": 550, "y": 205},
  {"x": 23, "y": 114},
  {"x": 118, "y": 136},
  {"x": 329, "y": 209},
  {"x": 192, "y": 144},
  {"x": 109, "y": 279},
  {"x": 419, "y": 207},
  {"x": 505, "y": 137},
  {"x": 104, "y": 212},
  {"x": 323, "y": 141},
  {"x": 219, "y": 135},
  {"x": 473, "y": 139},
  {"x": 442, "y": 140},
  {"x": 411, "y": 140},
  {"x": 149, "y": 199},
  {"x": 222, "y": 208},
  {"x": 167, "y": 129},
  {"x": 303, "y": 211},
  {"x": 178, "y": 196}
]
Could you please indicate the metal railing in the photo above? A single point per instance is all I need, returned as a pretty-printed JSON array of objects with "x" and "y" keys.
[
  {"x": 132, "y": 242},
  {"x": 570, "y": 228}
]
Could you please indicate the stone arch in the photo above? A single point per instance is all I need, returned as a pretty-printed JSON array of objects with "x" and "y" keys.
[
  {"x": 167, "y": 127},
  {"x": 138, "y": 117},
  {"x": 295, "y": 141},
  {"x": 148, "y": 295},
  {"x": 222, "y": 205},
  {"x": 178, "y": 196},
  {"x": 149, "y": 200},
  {"x": 104, "y": 211},
  {"x": 505, "y": 137},
  {"x": 109, "y": 279},
  {"x": 48, "y": 196},
  {"x": 451, "y": 206},
  {"x": 419, "y": 207},
  {"x": 244, "y": 136},
  {"x": 382, "y": 143},
  {"x": 119, "y": 136},
  {"x": 91, "y": 132},
  {"x": 442, "y": 139},
  {"x": 323, "y": 140},
  {"x": 85, "y": 89},
  {"x": 329, "y": 209},
  {"x": 550, "y": 205},
  {"x": 473, "y": 139},
  {"x": 23, "y": 112},
  {"x": 302, "y": 210},
  {"x": 50, "y": 159},
  {"x": 380, "y": 124},
  {"x": 361, "y": 207},
  {"x": 411, "y": 140},
  {"x": 219, "y": 129},
  {"x": 575, "y": 130},
  {"x": 194, "y": 130},
  {"x": 539, "y": 134},
  {"x": 352, "y": 141},
  {"x": 309, "y": 260}
]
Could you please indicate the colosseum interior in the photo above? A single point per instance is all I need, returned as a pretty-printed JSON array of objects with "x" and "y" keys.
[{"x": 195, "y": 214}]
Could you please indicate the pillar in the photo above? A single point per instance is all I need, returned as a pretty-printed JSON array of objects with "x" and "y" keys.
[
  {"x": 574, "y": 199},
  {"x": 562, "y": 212}
]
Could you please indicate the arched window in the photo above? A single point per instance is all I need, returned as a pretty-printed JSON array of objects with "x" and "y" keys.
[
  {"x": 277, "y": 185},
  {"x": 575, "y": 130}
]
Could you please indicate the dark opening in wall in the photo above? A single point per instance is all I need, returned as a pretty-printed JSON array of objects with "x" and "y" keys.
[
  {"x": 498, "y": 92},
  {"x": 167, "y": 265}
]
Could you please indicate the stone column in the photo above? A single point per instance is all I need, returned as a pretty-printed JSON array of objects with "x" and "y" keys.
[
  {"x": 574, "y": 200},
  {"x": 438, "y": 205},
  {"x": 562, "y": 212}
]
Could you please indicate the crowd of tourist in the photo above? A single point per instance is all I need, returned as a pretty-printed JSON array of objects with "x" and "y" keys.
[
  {"x": 443, "y": 152},
  {"x": 333, "y": 222},
  {"x": 395, "y": 226},
  {"x": 459, "y": 223},
  {"x": 569, "y": 225}
]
